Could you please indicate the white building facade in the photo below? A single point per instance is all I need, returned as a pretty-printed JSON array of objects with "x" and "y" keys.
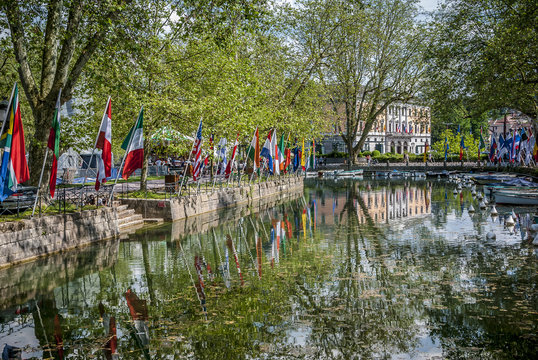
[{"x": 400, "y": 128}]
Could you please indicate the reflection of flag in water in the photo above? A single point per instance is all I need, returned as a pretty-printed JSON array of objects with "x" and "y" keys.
[
  {"x": 461, "y": 201},
  {"x": 283, "y": 235},
  {"x": 58, "y": 337},
  {"x": 231, "y": 246},
  {"x": 200, "y": 287},
  {"x": 259, "y": 254},
  {"x": 272, "y": 247},
  {"x": 304, "y": 223},
  {"x": 315, "y": 205}
]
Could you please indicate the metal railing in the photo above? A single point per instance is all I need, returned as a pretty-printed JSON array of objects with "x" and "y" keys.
[{"x": 76, "y": 198}]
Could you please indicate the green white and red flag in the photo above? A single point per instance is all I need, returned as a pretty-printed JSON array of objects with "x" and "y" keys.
[
  {"x": 54, "y": 145},
  {"x": 134, "y": 146},
  {"x": 104, "y": 143},
  {"x": 14, "y": 169}
]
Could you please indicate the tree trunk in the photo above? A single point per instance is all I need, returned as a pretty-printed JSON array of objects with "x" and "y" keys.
[{"x": 38, "y": 144}]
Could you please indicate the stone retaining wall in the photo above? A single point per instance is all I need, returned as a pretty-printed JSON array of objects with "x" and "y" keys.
[
  {"x": 188, "y": 206},
  {"x": 28, "y": 239}
]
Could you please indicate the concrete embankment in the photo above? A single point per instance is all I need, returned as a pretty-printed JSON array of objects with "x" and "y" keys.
[
  {"x": 205, "y": 202},
  {"x": 29, "y": 239}
]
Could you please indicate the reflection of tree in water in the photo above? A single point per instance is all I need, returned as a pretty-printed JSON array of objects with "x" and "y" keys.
[{"x": 362, "y": 314}]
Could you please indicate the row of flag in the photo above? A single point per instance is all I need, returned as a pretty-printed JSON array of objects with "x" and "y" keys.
[
  {"x": 518, "y": 146},
  {"x": 274, "y": 155},
  {"x": 14, "y": 169}
]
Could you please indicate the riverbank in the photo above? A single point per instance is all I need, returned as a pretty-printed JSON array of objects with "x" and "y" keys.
[
  {"x": 29, "y": 239},
  {"x": 210, "y": 201}
]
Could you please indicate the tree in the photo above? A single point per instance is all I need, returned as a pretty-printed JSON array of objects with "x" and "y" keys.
[
  {"x": 52, "y": 43},
  {"x": 482, "y": 55},
  {"x": 370, "y": 60}
]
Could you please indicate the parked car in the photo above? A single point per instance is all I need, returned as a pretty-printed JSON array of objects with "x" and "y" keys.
[{"x": 22, "y": 199}]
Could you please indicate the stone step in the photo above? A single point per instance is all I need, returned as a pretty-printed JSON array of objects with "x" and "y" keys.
[
  {"x": 121, "y": 208},
  {"x": 153, "y": 220},
  {"x": 128, "y": 219},
  {"x": 125, "y": 213},
  {"x": 132, "y": 224}
]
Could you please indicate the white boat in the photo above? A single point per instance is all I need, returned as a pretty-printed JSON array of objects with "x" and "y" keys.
[
  {"x": 349, "y": 173},
  {"x": 516, "y": 197}
]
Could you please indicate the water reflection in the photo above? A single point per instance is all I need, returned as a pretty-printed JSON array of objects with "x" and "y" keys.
[{"x": 349, "y": 270}]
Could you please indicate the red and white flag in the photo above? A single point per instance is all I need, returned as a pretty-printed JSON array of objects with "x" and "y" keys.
[
  {"x": 197, "y": 153},
  {"x": 230, "y": 164},
  {"x": 104, "y": 143}
]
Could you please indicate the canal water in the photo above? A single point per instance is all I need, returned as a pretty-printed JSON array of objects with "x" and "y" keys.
[{"x": 364, "y": 269}]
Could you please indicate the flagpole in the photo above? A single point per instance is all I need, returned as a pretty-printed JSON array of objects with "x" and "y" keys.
[
  {"x": 7, "y": 110},
  {"x": 215, "y": 175},
  {"x": 124, "y": 156},
  {"x": 45, "y": 159},
  {"x": 189, "y": 159},
  {"x": 95, "y": 146}
]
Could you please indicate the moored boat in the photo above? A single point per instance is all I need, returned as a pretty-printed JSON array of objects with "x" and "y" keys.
[{"x": 516, "y": 197}]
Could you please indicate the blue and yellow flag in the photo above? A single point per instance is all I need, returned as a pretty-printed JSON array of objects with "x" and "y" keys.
[{"x": 14, "y": 169}]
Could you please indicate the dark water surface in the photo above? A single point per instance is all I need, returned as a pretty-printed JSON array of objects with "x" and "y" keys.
[{"x": 351, "y": 270}]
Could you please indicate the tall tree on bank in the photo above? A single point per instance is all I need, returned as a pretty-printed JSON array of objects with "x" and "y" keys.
[
  {"x": 52, "y": 43},
  {"x": 377, "y": 62},
  {"x": 483, "y": 56}
]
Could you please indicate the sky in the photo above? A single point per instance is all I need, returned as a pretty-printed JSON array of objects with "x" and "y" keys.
[{"x": 429, "y": 5}]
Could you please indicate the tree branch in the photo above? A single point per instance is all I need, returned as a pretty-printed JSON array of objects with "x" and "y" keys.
[
  {"x": 17, "y": 37},
  {"x": 50, "y": 48},
  {"x": 68, "y": 46},
  {"x": 86, "y": 54}
]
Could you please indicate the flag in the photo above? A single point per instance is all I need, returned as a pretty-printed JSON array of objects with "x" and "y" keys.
[
  {"x": 134, "y": 147},
  {"x": 104, "y": 142},
  {"x": 281, "y": 153},
  {"x": 481, "y": 144},
  {"x": 230, "y": 164},
  {"x": 492, "y": 148},
  {"x": 296, "y": 156},
  {"x": 462, "y": 146},
  {"x": 303, "y": 160},
  {"x": 267, "y": 152},
  {"x": 535, "y": 150},
  {"x": 287, "y": 154},
  {"x": 313, "y": 156},
  {"x": 524, "y": 135},
  {"x": 278, "y": 157},
  {"x": 515, "y": 146},
  {"x": 14, "y": 168},
  {"x": 254, "y": 150},
  {"x": 446, "y": 147},
  {"x": 197, "y": 153},
  {"x": 54, "y": 145}
]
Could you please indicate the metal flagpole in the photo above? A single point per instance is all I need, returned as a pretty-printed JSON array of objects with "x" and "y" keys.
[
  {"x": 124, "y": 156},
  {"x": 187, "y": 163},
  {"x": 45, "y": 159}
]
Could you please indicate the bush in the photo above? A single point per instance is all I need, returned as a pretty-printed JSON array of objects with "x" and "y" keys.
[
  {"x": 365, "y": 153},
  {"x": 376, "y": 153},
  {"x": 336, "y": 154}
]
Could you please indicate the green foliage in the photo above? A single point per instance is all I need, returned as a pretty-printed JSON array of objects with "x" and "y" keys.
[
  {"x": 376, "y": 153},
  {"x": 454, "y": 140},
  {"x": 482, "y": 57},
  {"x": 337, "y": 154}
]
